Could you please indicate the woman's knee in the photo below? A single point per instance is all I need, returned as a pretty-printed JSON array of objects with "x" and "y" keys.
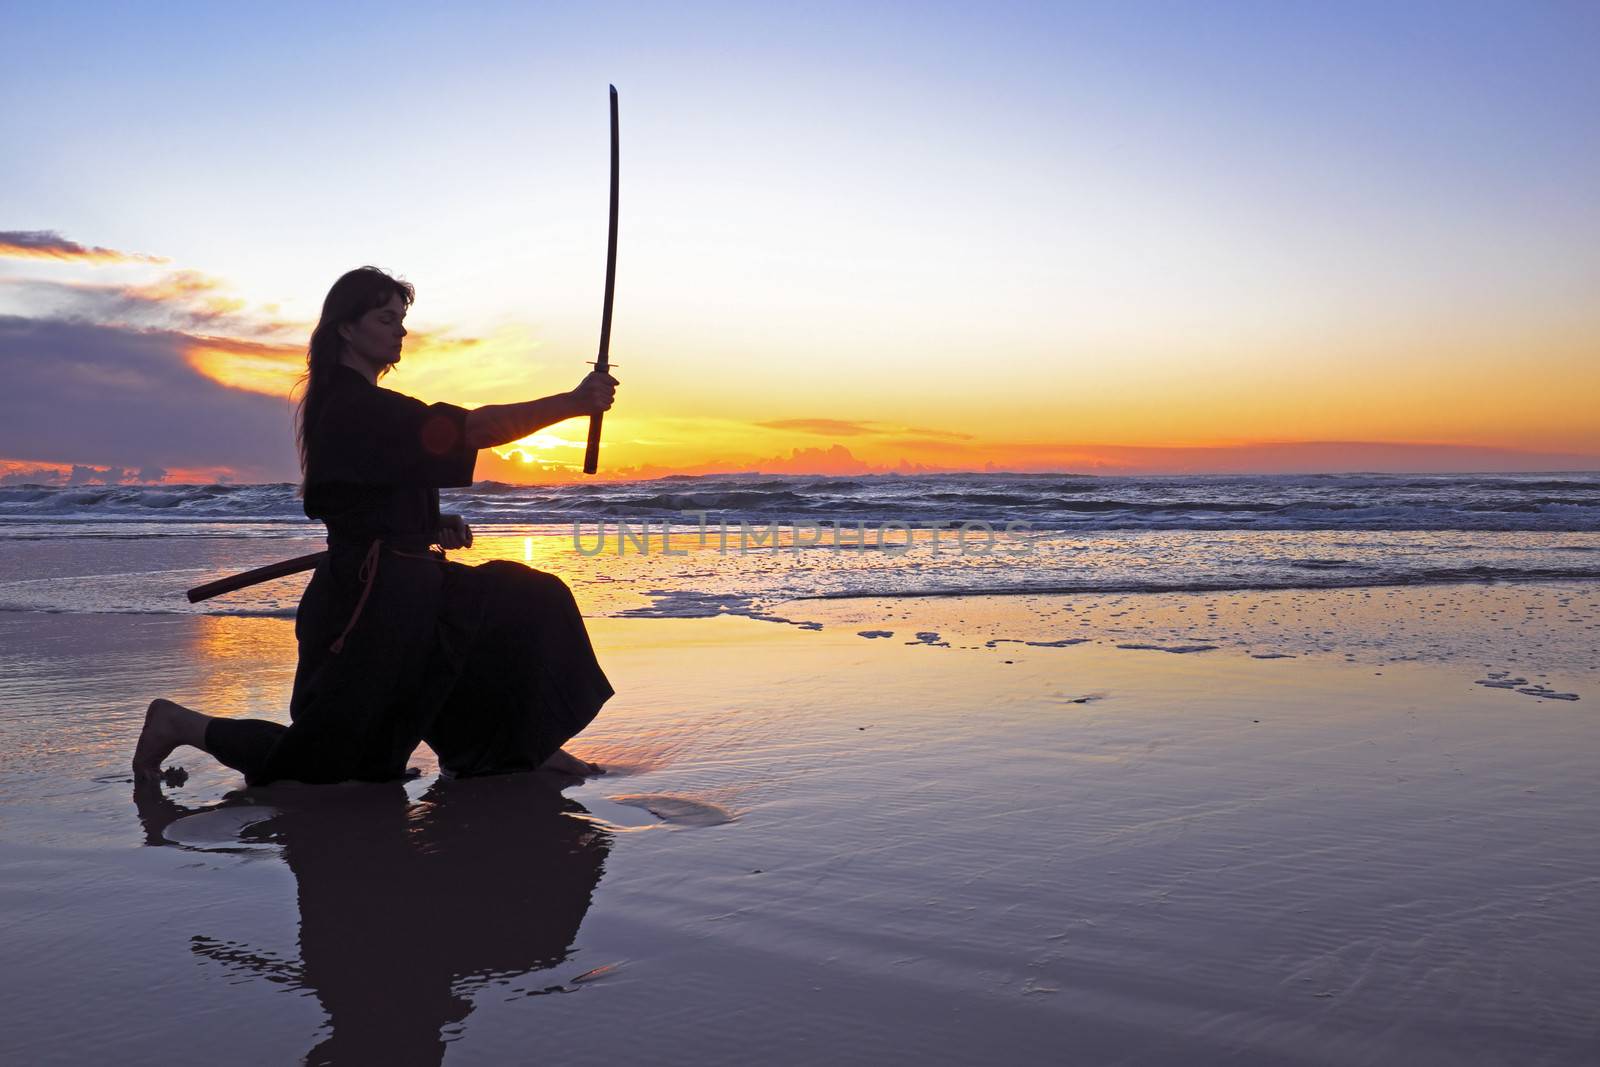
[
  {"x": 511, "y": 570},
  {"x": 523, "y": 578}
]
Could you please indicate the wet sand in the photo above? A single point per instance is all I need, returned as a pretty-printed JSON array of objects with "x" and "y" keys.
[{"x": 943, "y": 845}]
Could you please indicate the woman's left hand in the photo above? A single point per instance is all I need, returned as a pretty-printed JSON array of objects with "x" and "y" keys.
[{"x": 454, "y": 532}]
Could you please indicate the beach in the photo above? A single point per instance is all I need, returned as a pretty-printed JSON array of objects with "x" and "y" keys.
[
  {"x": 1086, "y": 516},
  {"x": 943, "y": 829}
]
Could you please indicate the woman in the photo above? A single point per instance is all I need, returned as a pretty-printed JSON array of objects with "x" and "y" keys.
[{"x": 490, "y": 665}]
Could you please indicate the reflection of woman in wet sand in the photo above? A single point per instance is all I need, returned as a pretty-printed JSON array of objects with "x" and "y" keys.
[
  {"x": 490, "y": 665},
  {"x": 405, "y": 907}
]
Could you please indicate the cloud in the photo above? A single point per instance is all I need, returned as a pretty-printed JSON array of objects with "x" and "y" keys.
[
  {"x": 249, "y": 349},
  {"x": 200, "y": 295},
  {"x": 857, "y": 428},
  {"x": 180, "y": 300},
  {"x": 82, "y": 474},
  {"x": 111, "y": 396},
  {"x": 169, "y": 374},
  {"x": 1274, "y": 457},
  {"x": 824, "y": 427},
  {"x": 29, "y": 474},
  {"x": 1294, "y": 457},
  {"x": 48, "y": 244},
  {"x": 946, "y": 435},
  {"x": 13, "y": 472},
  {"x": 228, "y": 342},
  {"x": 835, "y": 460},
  {"x": 800, "y": 461},
  {"x": 269, "y": 369}
]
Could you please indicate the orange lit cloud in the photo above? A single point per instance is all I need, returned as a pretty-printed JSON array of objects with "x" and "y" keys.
[
  {"x": 22, "y": 472},
  {"x": 200, "y": 295},
  {"x": 47, "y": 244},
  {"x": 114, "y": 403},
  {"x": 249, "y": 365},
  {"x": 828, "y": 427},
  {"x": 223, "y": 338},
  {"x": 180, "y": 300},
  {"x": 469, "y": 371},
  {"x": 856, "y": 428},
  {"x": 945, "y": 435},
  {"x": 250, "y": 348}
]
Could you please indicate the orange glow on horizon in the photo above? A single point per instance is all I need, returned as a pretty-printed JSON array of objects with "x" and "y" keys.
[{"x": 1395, "y": 399}]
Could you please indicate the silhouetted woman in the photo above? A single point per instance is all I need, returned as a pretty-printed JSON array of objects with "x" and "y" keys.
[{"x": 490, "y": 665}]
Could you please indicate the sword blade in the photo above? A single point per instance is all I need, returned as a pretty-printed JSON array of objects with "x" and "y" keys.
[{"x": 602, "y": 363}]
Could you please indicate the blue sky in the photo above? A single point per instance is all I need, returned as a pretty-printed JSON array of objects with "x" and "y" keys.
[{"x": 928, "y": 203}]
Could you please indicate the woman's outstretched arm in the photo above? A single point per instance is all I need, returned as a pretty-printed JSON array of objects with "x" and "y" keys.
[{"x": 500, "y": 424}]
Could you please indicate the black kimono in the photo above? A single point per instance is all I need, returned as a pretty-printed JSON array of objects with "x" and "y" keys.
[{"x": 490, "y": 665}]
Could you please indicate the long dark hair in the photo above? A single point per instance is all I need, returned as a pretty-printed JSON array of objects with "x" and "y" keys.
[{"x": 352, "y": 296}]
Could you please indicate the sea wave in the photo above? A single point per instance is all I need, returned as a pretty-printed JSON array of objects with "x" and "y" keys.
[
  {"x": 1419, "y": 577},
  {"x": 1568, "y": 502}
]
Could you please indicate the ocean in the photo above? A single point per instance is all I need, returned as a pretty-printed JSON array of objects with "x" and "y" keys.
[{"x": 757, "y": 544}]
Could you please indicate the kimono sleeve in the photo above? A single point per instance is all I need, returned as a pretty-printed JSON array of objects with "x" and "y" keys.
[{"x": 380, "y": 437}]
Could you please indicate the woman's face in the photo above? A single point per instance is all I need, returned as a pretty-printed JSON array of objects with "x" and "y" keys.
[{"x": 376, "y": 337}]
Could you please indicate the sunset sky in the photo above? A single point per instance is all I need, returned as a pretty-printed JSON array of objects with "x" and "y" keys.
[{"x": 1113, "y": 237}]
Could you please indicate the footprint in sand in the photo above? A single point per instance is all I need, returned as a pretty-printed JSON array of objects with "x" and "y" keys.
[
  {"x": 1503, "y": 680},
  {"x": 679, "y": 811},
  {"x": 219, "y": 828},
  {"x": 1547, "y": 693},
  {"x": 572, "y": 985},
  {"x": 1179, "y": 649}
]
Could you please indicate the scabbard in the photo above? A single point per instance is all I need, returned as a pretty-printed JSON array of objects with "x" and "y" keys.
[{"x": 255, "y": 577}]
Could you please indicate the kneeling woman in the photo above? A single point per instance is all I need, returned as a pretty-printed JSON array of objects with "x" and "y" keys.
[{"x": 490, "y": 665}]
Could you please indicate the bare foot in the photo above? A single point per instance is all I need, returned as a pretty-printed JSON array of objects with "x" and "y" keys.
[
  {"x": 166, "y": 726},
  {"x": 566, "y": 763}
]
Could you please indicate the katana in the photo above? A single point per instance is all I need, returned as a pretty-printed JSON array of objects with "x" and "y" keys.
[{"x": 602, "y": 362}]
